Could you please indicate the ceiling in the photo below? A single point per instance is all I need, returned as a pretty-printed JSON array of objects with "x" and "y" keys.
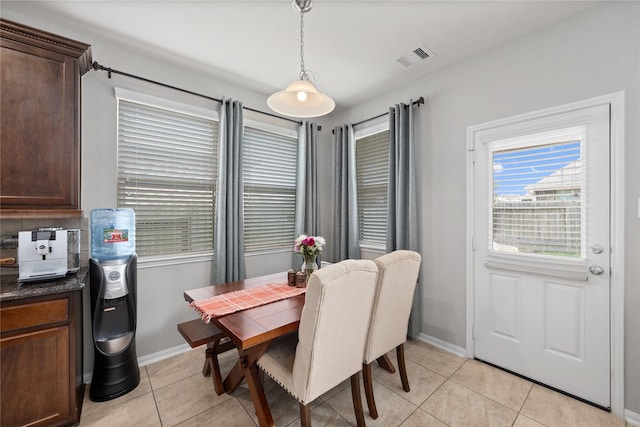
[{"x": 350, "y": 46}]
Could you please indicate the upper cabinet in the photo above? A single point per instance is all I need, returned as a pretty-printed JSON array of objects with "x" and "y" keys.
[{"x": 40, "y": 122}]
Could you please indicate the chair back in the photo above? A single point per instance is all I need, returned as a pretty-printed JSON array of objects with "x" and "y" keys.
[
  {"x": 397, "y": 277},
  {"x": 333, "y": 326}
]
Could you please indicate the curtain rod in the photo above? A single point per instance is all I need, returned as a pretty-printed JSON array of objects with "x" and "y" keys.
[
  {"x": 109, "y": 71},
  {"x": 417, "y": 102}
]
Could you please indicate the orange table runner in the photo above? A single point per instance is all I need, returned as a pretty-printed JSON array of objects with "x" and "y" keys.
[{"x": 231, "y": 302}]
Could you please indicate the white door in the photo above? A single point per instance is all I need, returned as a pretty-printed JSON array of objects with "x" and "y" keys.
[{"x": 542, "y": 250}]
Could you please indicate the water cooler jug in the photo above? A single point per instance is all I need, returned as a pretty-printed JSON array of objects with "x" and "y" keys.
[{"x": 113, "y": 275}]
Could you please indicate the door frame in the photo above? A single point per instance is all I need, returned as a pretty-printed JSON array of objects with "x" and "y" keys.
[{"x": 616, "y": 212}]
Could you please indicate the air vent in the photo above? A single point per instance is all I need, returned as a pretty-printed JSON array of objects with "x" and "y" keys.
[{"x": 415, "y": 56}]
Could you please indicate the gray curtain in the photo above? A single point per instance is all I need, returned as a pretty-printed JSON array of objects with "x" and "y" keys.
[
  {"x": 345, "y": 217},
  {"x": 402, "y": 211},
  {"x": 229, "y": 229},
  {"x": 307, "y": 215}
]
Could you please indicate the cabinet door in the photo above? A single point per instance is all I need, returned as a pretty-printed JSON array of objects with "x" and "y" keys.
[
  {"x": 35, "y": 377},
  {"x": 39, "y": 153}
]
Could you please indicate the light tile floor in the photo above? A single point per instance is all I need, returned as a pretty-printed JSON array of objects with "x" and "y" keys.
[{"x": 446, "y": 390}]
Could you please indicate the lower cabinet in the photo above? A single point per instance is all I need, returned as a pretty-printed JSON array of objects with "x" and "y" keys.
[{"x": 40, "y": 358}]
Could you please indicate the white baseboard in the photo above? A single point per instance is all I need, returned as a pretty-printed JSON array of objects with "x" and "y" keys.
[
  {"x": 163, "y": 354},
  {"x": 632, "y": 418},
  {"x": 150, "y": 358},
  {"x": 458, "y": 351}
]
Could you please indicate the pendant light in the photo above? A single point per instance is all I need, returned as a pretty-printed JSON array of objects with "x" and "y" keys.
[{"x": 301, "y": 98}]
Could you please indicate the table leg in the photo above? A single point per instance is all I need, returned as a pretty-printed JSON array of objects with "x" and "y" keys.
[
  {"x": 233, "y": 378},
  {"x": 246, "y": 367},
  {"x": 385, "y": 363},
  {"x": 258, "y": 397}
]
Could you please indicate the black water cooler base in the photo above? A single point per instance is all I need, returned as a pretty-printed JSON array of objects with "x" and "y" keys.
[
  {"x": 114, "y": 375},
  {"x": 113, "y": 306}
]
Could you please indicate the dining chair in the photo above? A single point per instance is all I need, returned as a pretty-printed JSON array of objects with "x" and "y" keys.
[
  {"x": 397, "y": 277},
  {"x": 330, "y": 341}
]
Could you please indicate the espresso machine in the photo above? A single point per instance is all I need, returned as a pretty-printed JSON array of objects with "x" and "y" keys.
[
  {"x": 113, "y": 277},
  {"x": 48, "y": 253}
]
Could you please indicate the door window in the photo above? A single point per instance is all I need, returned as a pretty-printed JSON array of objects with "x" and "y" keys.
[{"x": 537, "y": 189}]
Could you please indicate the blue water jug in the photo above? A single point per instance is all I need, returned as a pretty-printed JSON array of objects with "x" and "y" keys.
[{"x": 113, "y": 233}]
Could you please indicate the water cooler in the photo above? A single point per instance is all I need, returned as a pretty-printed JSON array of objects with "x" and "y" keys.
[{"x": 113, "y": 275}]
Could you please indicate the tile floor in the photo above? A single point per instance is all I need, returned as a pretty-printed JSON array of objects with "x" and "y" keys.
[{"x": 446, "y": 390}]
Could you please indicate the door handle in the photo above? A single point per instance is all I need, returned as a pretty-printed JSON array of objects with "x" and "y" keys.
[{"x": 596, "y": 270}]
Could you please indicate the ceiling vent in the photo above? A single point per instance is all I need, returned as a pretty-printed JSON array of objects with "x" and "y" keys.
[{"x": 415, "y": 56}]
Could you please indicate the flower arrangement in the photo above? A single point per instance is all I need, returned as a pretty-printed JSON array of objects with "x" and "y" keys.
[{"x": 309, "y": 246}]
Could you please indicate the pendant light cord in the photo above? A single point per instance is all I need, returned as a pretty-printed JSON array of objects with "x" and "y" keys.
[{"x": 303, "y": 73}]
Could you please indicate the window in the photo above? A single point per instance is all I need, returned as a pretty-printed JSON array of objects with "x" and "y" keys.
[
  {"x": 167, "y": 169},
  {"x": 372, "y": 171},
  {"x": 270, "y": 160},
  {"x": 538, "y": 188}
]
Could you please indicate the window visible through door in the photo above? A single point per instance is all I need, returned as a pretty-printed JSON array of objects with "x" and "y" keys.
[{"x": 538, "y": 194}]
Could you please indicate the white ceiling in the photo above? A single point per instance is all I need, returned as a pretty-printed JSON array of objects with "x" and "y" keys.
[{"x": 350, "y": 46}]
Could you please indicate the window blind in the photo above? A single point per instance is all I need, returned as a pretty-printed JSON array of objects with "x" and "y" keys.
[
  {"x": 167, "y": 169},
  {"x": 269, "y": 189},
  {"x": 372, "y": 174},
  {"x": 538, "y": 194}
]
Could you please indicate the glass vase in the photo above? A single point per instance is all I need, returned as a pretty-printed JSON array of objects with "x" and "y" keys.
[{"x": 308, "y": 267}]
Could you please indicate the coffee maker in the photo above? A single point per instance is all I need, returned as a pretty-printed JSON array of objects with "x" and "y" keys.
[{"x": 48, "y": 253}]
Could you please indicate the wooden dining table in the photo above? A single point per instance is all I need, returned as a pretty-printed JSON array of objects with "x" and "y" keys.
[{"x": 252, "y": 330}]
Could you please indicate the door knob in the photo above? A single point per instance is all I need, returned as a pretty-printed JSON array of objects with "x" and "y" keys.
[{"x": 596, "y": 270}]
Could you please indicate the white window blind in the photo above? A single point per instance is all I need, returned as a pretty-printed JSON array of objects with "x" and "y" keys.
[
  {"x": 372, "y": 170},
  {"x": 269, "y": 189},
  {"x": 167, "y": 169},
  {"x": 538, "y": 195}
]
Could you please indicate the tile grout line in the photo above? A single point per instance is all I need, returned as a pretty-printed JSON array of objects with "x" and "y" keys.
[{"x": 153, "y": 393}]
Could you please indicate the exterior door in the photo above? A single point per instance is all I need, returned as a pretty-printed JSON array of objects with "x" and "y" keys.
[{"x": 541, "y": 250}]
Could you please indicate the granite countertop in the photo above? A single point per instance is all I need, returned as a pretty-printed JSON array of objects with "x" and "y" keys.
[{"x": 13, "y": 290}]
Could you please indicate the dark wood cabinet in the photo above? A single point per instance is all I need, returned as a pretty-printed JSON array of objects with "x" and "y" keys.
[
  {"x": 40, "y": 76},
  {"x": 40, "y": 360}
]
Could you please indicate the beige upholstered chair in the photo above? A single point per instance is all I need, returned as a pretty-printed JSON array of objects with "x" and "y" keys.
[
  {"x": 330, "y": 341},
  {"x": 397, "y": 276}
]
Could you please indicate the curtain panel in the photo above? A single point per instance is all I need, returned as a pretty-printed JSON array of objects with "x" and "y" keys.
[
  {"x": 402, "y": 211},
  {"x": 229, "y": 231},
  {"x": 307, "y": 213},
  {"x": 345, "y": 217}
]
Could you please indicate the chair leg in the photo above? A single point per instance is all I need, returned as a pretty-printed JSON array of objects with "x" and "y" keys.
[
  {"x": 402, "y": 367},
  {"x": 368, "y": 390},
  {"x": 357, "y": 399},
  {"x": 305, "y": 415}
]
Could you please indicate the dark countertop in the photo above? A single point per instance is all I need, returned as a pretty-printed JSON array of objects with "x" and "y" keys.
[{"x": 13, "y": 290}]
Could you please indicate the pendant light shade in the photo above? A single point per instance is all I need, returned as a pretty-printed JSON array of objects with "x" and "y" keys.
[{"x": 301, "y": 98}]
